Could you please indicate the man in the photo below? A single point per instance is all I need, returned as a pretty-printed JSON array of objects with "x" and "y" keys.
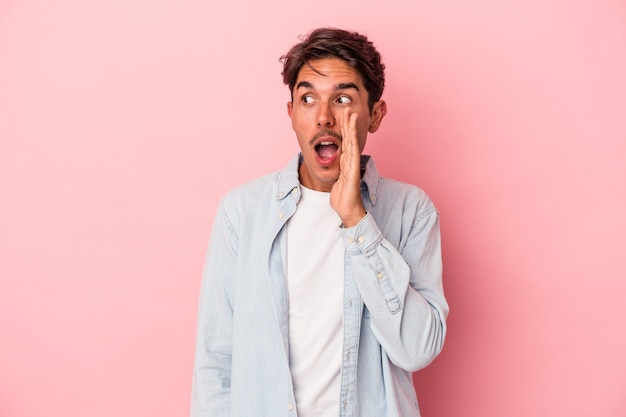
[{"x": 322, "y": 288}]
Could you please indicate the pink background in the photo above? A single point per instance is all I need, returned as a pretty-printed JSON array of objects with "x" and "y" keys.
[{"x": 122, "y": 122}]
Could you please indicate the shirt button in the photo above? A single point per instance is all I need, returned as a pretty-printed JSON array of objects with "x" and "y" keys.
[
  {"x": 361, "y": 239},
  {"x": 379, "y": 275},
  {"x": 281, "y": 215},
  {"x": 350, "y": 240},
  {"x": 290, "y": 406},
  {"x": 280, "y": 195}
]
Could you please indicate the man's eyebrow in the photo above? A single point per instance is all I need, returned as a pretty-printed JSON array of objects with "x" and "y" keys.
[
  {"x": 304, "y": 84},
  {"x": 346, "y": 86}
]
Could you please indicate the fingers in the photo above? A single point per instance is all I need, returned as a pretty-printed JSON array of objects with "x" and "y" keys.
[
  {"x": 344, "y": 126},
  {"x": 347, "y": 122}
]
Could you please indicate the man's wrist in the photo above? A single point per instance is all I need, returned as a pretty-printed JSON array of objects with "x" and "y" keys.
[{"x": 353, "y": 219}]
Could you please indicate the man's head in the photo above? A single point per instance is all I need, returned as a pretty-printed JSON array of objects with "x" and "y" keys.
[
  {"x": 332, "y": 74},
  {"x": 351, "y": 47}
]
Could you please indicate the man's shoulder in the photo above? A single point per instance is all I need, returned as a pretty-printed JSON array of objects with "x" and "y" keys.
[
  {"x": 395, "y": 187},
  {"x": 388, "y": 189},
  {"x": 266, "y": 187},
  {"x": 257, "y": 189},
  {"x": 393, "y": 192}
]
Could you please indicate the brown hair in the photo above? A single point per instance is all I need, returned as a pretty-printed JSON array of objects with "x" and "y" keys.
[{"x": 352, "y": 47}]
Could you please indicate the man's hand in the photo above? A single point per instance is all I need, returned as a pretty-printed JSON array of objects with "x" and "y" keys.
[{"x": 345, "y": 196}]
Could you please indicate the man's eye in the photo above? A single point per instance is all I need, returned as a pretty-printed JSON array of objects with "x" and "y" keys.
[
  {"x": 344, "y": 100},
  {"x": 307, "y": 99}
]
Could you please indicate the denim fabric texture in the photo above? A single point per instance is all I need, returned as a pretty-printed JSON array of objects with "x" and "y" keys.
[{"x": 394, "y": 305}]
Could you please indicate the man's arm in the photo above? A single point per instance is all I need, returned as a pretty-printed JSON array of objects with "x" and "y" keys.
[
  {"x": 402, "y": 291},
  {"x": 212, "y": 367}
]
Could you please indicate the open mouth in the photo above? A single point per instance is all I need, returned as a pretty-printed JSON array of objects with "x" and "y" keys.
[{"x": 326, "y": 150}]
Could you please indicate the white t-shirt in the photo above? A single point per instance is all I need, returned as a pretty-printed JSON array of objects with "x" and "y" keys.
[{"x": 315, "y": 270}]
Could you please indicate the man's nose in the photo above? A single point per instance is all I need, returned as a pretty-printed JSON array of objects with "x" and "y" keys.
[{"x": 325, "y": 117}]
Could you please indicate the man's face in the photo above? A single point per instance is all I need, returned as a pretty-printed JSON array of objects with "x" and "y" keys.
[{"x": 320, "y": 97}]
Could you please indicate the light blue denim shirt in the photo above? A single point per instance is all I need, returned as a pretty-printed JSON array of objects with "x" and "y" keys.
[{"x": 394, "y": 306}]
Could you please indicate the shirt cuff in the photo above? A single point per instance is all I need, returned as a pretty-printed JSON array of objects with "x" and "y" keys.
[{"x": 362, "y": 238}]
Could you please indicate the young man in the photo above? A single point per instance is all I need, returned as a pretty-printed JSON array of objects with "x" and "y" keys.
[{"x": 322, "y": 289}]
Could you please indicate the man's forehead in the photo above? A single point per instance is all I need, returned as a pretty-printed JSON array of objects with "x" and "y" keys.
[{"x": 333, "y": 70}]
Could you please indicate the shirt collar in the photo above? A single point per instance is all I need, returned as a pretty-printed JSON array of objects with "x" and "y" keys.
[
  {"x": 287, "y": 180},
  {"x": 370, "y": 178}
]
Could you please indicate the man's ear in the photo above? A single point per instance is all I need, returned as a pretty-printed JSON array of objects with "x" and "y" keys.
[
  {"x": 289, "y": 108},
  {"x": 379, "y": 110}
]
